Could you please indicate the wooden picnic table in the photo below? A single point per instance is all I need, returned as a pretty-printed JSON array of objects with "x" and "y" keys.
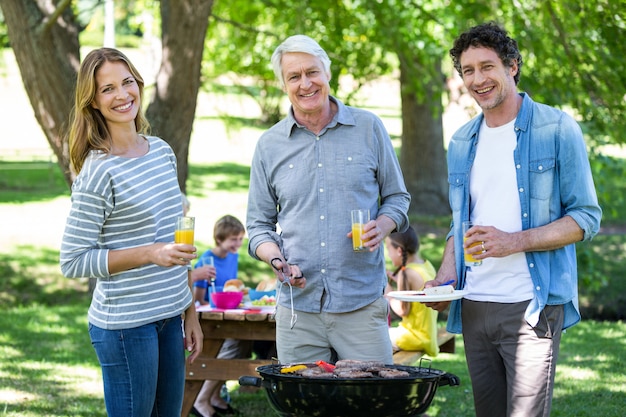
[{"x": 217, "y": 325}]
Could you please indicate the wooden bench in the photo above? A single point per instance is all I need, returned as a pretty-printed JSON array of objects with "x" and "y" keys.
[{"x": 445, "y": 341}]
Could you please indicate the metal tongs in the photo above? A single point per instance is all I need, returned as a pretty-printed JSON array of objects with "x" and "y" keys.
[{"x": 285, "y": 281}]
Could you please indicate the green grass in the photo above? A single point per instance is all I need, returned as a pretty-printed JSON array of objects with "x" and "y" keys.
[
  {"x": 224, "y": 177},
  {"x": 29, "y": 181},
  {"x": 48, "y": 367}
]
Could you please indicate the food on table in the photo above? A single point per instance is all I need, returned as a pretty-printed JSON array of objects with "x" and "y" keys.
[
  {"x": 442, "y": 289},
  {"x": 266, "y": 300},
  {"x": 267, "y": 285},
  {"x": 234, "y": 285}
]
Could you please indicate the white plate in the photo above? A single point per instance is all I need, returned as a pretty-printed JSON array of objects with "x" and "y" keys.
[{"x": 420, "y": 297}]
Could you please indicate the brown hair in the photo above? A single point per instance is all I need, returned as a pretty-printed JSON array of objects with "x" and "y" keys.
[
  {"x": 225, "y": 227},
  {"x": 89, "y": 130},
  {"x": 408, "y": 242},
  {"x": 488, "y": 35}
]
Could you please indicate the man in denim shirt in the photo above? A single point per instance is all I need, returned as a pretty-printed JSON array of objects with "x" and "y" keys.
[
  {"x": 308, "y": 171},
  {"x": 520, "y": 172}
]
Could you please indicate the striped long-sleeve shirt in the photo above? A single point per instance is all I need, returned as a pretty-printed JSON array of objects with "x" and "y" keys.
[{"x": 120, "y": 203}]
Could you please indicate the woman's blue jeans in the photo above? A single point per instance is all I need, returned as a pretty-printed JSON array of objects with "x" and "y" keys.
[{"x": 143, "y": 368}]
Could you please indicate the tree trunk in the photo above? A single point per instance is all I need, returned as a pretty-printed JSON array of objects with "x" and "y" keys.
[
  {"x": 44, "y": 38},
  {"x": 422, "y": 157},
  {"x": 172, "y": 110},
  {"x": 45, "y": 44}
]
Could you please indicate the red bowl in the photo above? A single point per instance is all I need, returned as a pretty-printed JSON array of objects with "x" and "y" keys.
[{"x": 226, "y": 300}]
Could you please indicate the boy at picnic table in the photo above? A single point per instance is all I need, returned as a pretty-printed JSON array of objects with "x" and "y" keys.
[{"x": 219, "y": 264}]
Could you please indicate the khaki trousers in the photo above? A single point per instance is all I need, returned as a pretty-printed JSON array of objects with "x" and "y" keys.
[{"x": 361, "y": 334}]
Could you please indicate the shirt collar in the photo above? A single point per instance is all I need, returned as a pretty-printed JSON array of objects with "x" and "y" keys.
[
  {"x": 343, "y": 116},
  {"x": 522, "y": 122}
]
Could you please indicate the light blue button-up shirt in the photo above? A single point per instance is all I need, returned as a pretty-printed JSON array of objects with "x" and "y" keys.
[
  {"x": 553, "y": 180},
  {"x": 308, "y": 184}
]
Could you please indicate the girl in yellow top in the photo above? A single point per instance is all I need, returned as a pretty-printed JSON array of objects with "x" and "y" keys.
[{"x": 418, "y": 329}]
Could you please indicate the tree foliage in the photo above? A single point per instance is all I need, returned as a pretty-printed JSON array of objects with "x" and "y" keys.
[
  {"x": 246, "y": 32},
  {"x": 172, "y": 109},
  {"x": 573, "y": 51},
  {"x": 44, "y": 37},
  {"x": 414, "y": 32},
  {"x": 45, "y": 42},
  {"x": 364, "y": 40}
]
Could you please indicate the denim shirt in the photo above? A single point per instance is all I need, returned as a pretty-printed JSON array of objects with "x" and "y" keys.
[
  {"x": 307, "y": 184},
  {"x": 554, "y": 180}
]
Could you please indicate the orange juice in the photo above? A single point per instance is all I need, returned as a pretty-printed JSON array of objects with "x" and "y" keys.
[
  {"x": 357, "y": 243},
  {"x": 469, "y": 259},
  {"x": 360, "y": 217},
  {"x": 184, "y": 236}
]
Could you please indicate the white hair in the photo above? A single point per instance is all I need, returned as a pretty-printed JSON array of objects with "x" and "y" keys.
[{"x": 298, "y": 43}]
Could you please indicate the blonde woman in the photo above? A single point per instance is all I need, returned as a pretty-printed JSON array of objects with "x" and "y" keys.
[{"x": 120, "y": 230}]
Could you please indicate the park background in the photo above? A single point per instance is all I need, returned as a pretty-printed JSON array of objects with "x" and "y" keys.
[{"x": 47, "y": 366}]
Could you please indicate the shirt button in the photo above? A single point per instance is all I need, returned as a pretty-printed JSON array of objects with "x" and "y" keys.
[
  {"x": 531, "y": 265},
  {"x": 290, "y": 165},
  {"x": 525, "y": 214},
  {"x": 540, "y": 167},
  {"x": 538, "y": 288},
  {"x": 518, "y": 166},
  {"x": 322, "y": 244},
  {"x": 521, "y": 190},
  {"x": 321, "y": 190},
  {"x": 349, "y": 158},
  {"x": 319, "y": 165},
  {"x": 323, "y": 271},
  {"x": 322, "y": 217},
  {"x": 317, "y": 138}
]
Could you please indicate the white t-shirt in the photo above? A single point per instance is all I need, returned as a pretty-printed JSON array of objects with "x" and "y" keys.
[{"x": 495, "y": 202}]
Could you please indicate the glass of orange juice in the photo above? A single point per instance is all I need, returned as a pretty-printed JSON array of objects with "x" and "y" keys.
[
  {"x": 359, "y": 219},
  {"x": 469, "y": 258},
  {"x": 184, "y": 230}
]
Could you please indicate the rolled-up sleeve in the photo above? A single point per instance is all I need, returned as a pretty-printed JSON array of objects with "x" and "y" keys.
[{"x": 577, "y": 192}]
